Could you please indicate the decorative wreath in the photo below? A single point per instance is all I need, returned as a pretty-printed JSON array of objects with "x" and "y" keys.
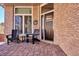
[{"x": 35, "y": 22}]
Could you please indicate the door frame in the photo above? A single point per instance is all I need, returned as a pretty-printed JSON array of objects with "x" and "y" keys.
[
  {"x": 47, "y": 41},
  {"x": 23, "y": 16},
  {"x": 43, "y": 14}
]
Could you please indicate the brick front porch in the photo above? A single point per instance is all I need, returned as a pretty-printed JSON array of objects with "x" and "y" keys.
[{"x": 28, "y": 49}]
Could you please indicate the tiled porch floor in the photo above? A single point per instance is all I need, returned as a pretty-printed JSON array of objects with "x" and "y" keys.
[{"x": 28, "y": 49}]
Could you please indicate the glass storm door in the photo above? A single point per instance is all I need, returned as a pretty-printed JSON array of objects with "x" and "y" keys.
[
  {"x": 49, "y": 27},
  {"x": 42, "y": 28},
  {"x": 18, "y": 24},
  {"x": 27, "y": 24}
]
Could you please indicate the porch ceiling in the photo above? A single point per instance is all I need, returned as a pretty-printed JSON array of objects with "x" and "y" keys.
[{"x": 21, "y": 4}]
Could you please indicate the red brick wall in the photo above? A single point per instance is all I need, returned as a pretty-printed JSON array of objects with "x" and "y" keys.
[
  {"x": 66, "y": 27},
  {"x": 1, "y": 37},
  {"x": 8, "y": 25}
]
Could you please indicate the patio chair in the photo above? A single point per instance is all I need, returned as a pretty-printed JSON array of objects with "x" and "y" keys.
[
  {"x": 27, "y": 38},
  {"x": 13, "y": 37},
  {"x": 35, "y": 36}
]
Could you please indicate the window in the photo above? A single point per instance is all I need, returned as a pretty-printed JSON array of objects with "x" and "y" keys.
[
  {"x": 47, "y": 7},
  {"x": 23, "y": 11}
]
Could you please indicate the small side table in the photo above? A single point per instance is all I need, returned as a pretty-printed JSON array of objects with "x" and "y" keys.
[{"x": 22, "y": 37}]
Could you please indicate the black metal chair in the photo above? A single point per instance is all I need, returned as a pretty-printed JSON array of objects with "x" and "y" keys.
[
  {"x": 35, "y": 36},
  {"x": 27, "y": 38},
  {"x": 13, "y": 37}
]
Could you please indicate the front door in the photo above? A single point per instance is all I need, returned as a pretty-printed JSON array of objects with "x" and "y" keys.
[{"x": 23, "y": 24}]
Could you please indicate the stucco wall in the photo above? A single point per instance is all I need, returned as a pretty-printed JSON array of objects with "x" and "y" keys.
[{"x": 66, "y": 27}]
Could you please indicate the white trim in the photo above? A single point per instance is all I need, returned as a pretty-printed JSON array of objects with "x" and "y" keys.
[
  {"x": 14, "y": 22},
  {"x": 32, "y": 20},
  {"x": 23, "y": 23},
  {"x": 14, "y": 18},
  {"x": 47, "y": 12},
  {"x": 44, "y": 26},
  {"x": 40, "y": 23},
  {"x": 46, "y": 41},
  {"x": 23, "y": 6},
  {"x": 24, "y": 14},
  {"x": 43, "y": 4}
]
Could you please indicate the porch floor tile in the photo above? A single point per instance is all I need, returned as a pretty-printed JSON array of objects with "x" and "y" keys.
[{"x": 29, "y": 49}]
